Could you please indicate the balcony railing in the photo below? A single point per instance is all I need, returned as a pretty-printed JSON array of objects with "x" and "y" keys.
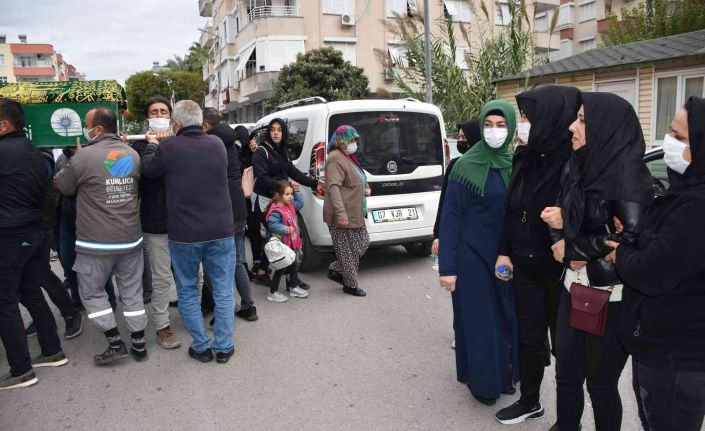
[
  {"x": 33, "y": 63},
  {"x": 273, "y": 11}
]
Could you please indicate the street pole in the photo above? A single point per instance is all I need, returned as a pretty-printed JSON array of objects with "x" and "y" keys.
[{"x": 427, "y": 50}]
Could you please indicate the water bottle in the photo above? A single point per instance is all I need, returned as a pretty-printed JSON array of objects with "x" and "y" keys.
[
  {"x": 435, "y": 262},
  {"x": 505, "y": 271}
]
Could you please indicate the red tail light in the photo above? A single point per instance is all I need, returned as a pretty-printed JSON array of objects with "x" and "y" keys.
[{"x": 318, "y": 164}]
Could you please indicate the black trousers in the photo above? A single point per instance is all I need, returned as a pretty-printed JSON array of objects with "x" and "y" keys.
[
  {"x": 22, "y": 258},
  {"x": 254, "y": 222},
  {"x": 672, "y": 400},
  {"x": 58, "y": 294},
  {"x": 292, "y": 280},
  {"x": 536, "y": 298},
  {"x": 600, "y": 360}
]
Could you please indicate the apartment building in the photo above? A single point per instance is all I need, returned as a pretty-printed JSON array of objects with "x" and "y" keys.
[
  {"x": 580, "y": 24},
  {"x": 250, "y": 41},
  {"x": 33, "y": 62}
]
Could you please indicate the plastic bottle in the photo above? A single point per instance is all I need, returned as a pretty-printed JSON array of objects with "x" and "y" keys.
[
  {"x": 435, "y": 262},
  {"x": 506, "y": 271}
]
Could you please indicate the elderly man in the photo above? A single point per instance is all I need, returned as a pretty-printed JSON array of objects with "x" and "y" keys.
[
  {"x": 195, "y": 170},
  {"x": 153, "y": 215},
  {"x": 105, "y": 176},
  {"x": 23, "y": 180}
]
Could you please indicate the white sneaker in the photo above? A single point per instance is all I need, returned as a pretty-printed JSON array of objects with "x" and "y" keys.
[
  {"x": 277, "y": 297},
  {"x": 297, "y": 292},
  {"x": 452, "y": 344}
]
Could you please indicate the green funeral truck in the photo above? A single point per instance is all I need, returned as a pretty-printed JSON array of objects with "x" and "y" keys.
[{"x": 55, "y": 111}]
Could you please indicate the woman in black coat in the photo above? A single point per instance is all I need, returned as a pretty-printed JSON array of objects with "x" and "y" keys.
[
  {"x": 605, "y": 178},
  {"x": 468, "y": 135},
  {"x": 271, "y": 165},
  {"x": 663, "y": 316},
  {"x": 526, "y": 241}
]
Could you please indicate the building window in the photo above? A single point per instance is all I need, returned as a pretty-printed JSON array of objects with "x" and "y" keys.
[
  {"x": 541, "y": 23},
  {"x": 398, "y": 57},
  {"x": 587, "y": 44},
  {"x": 2, "y": 59},
  {"x": 565, "y": 15},
  {"x": 348, "y": 49},
  {"x": 339, "y": 7},
  {"x": 3, "y": 79},
  {"x": 566, "y": 48},
  {"x": 458, "y": 10},
  {"x": 461, "y": 58},
  {"x": 587, "y": 10},
  {"x": 671, "y": 93},
  {"x": 502, "y": 15},
  {"x": 396, "y": 8}
]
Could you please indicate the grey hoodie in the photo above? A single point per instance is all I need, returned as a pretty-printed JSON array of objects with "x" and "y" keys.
[{"x": 105, "y": 176}]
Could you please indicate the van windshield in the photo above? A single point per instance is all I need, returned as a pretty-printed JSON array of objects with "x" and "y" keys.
[{"x": 393, "y": 143}]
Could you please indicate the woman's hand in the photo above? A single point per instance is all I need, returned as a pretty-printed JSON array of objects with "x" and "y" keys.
[
  {"x": 552, "y": 216},
  {"x": 436, "y": 247},
  {"x": 612, "y": 257},
  {"x": 506, "y": 261},
  {"x": 291, "y": 229},
  {"x": 253, "y": 145},
  {"x": 321, "y": 188},
  {"x": 368, "y": 192},
  {"x": 559, "y": 251},
  {"x": 342, "y": 222},
  {"x": 448, "y": 282},
  {"x": 577, "y": 265},
  {"x": 618, "y": 225}
]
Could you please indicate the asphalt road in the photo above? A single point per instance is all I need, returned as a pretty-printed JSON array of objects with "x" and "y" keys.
[{"x": 330, "y": 361}]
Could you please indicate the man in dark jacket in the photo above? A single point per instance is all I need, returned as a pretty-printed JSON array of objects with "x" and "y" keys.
[
  {"x": 213, "y": 126},
  {"x": 195, "y": 170},
  {"x": 153, "y": 215},
  {"x": 23, "y": 180}
]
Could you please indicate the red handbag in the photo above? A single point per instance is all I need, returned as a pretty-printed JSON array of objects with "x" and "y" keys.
[{"x": 588, "y": 308}]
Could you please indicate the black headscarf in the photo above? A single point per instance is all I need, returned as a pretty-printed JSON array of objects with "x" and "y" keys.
[
  {"x": 242, "y": 135},
  {"x": 538, "y": 164},
  {"x": 285, "y": 137},
  {"x": 610, "y": 166},
  {"x": 471, "y": 130},
  {"x": 695, "y": 173}
]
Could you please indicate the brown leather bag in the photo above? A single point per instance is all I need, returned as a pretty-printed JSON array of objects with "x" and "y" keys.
[{"x": 588, "y": 308}]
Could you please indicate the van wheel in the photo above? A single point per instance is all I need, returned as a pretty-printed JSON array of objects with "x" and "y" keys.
[
  {"x": 311, "y": 257},
  {"x": 419, "y": 249}
]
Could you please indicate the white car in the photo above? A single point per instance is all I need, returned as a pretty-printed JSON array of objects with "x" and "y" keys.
[{"x": 401, "y": 151}]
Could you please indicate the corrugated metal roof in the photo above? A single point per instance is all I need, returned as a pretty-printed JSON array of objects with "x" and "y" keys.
[{"x": 646, "y": 51}]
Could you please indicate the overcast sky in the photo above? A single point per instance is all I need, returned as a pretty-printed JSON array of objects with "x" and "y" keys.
[{"x": 106, "y": 39}]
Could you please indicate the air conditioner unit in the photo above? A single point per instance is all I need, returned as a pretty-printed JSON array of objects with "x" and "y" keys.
[{"x": 347, "y": 19}]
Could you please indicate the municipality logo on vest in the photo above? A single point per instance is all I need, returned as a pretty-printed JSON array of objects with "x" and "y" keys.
[{"x": 118, "y": 163}]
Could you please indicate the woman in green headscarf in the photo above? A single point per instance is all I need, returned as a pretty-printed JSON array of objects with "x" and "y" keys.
[{"x": 473, "y": 211}]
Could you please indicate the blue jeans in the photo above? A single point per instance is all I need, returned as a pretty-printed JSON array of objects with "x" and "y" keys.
[
  {"x": 67, "y": 256},
  {"x": 219, "y": 263}
]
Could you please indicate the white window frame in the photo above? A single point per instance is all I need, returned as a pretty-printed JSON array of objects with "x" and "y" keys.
[
  {"x": 681, "y": 75},
  {"x": 459, "y": 10},
  {"x": 396, "y": 6},
  {"x": 349, "y": 50},
  {"x": 587, "y": 39},
  {"x": 397, "y": 52},
  {"x": 3, "y": 79},
  {"x": 569, "y": 44},
  {"x": 502, "y": 14},
  {"x": 461, "y": 58},
  {"x": 2, "y": 60},
  {"x": 565, "y": 10},
  {"x": 332, "y": 7},
  {"x": 543, "y": 16},
  {"x": 585, "y": 6}
]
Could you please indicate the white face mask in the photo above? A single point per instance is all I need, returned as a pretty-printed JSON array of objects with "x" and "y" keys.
[
  {"x": 159, "y": 124},
  {"x": 351, "y": 148},
  {"x": 523, "y": 131},
  {"x": 87, "y": 134},
  {"x": 495, "y": 137},
  {"x": 673, "y": 154}
]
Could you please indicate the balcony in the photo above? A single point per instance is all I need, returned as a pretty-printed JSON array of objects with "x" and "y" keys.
[
  {"x": 273, "y": 11},
  {"x": 546, "y": 5},
  {"x": 207, "y": 36},
  {"x": 565, "y": 16},
  {"x": 205, "y": 8},
  {"x": 603, "y": 25},
  {"x": 258, "y": 86},
  {"x": 34, "y": 71},
  {"x": 33, "y": 63}
]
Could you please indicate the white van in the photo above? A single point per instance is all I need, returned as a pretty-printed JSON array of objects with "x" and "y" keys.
[{"x": 401, "y": 151}]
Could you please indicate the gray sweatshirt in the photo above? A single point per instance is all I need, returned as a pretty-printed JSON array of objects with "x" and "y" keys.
[{"x": 105, "y": 177}]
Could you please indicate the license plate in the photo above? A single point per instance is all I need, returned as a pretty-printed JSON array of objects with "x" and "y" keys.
[{"x": 394, "y": 214}]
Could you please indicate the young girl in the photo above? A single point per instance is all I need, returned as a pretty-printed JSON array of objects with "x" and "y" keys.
[{"x": 282, "y": 223}]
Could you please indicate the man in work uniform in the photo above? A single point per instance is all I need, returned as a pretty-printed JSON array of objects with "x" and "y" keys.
[{"x": 105, "y": 177}]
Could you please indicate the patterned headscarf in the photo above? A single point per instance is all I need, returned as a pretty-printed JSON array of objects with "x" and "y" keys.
[{"x": 344, "y": 134}]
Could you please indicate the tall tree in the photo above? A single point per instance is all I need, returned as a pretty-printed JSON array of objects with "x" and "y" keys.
[
  {"x": 461, "y": 92},
  {"x": 319, "y": 72},
  {"x": 196, "y": 57},
  {"x": 143, "y": 85},
  {"x": 655, "y": 18}
]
